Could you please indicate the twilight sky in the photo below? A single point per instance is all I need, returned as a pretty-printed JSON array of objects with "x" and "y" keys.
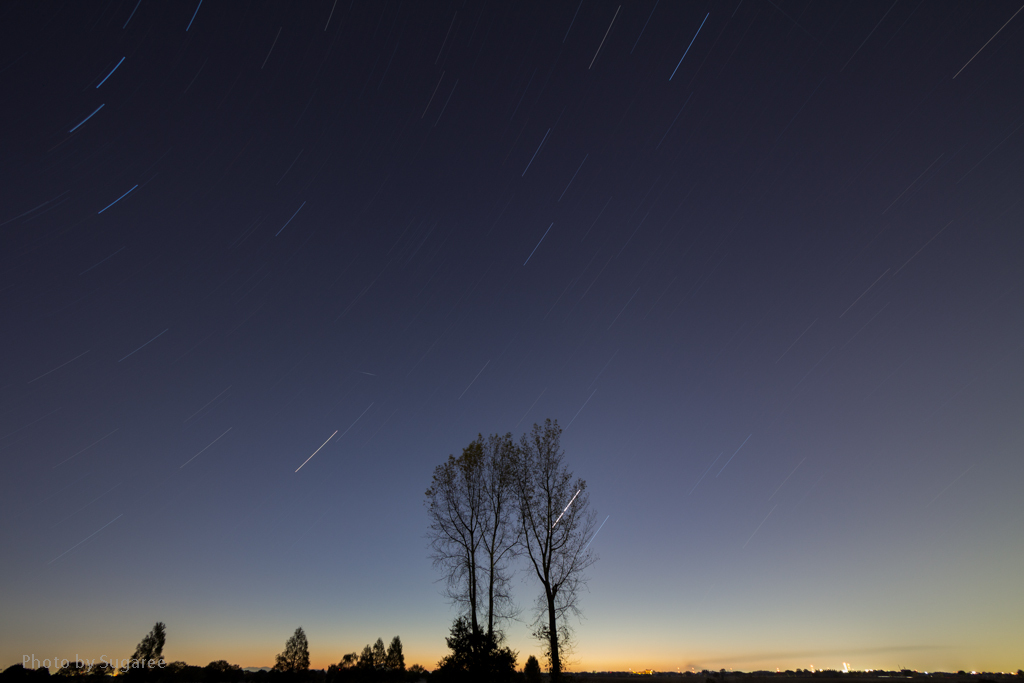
[{"x": 762, "y": 260}]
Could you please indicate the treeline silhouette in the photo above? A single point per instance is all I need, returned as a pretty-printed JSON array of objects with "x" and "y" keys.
[{"x": 475, "y": 656}]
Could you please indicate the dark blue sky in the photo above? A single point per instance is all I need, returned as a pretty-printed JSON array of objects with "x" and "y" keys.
[{"x": 763, "y": 261}]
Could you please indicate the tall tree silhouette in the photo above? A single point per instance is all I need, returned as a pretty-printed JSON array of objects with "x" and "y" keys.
[
  {"x": 366, "y": 660},
  {"x": 454, "y": 502},
  {"x": 501, "y": 531},
  {"x": 473, "y": 534},
  {"x": 295, "y": 658},
  {"x": 556, "y": 525},
  {"x": 394, "y": 660},
  {"x": 380, "y": 655},
  {"x": 151, "y": 648}
]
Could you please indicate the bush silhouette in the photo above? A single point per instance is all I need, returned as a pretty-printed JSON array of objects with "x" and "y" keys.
[
  {"x": 475, "y": 657},
  {"x": 531, "y": 672}
]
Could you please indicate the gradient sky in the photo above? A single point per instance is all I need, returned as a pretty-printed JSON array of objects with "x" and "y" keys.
[{"x": 762, "y": 260}]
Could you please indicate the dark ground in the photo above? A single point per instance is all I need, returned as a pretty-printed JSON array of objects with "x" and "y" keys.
[{"x": 736, "y": 677}]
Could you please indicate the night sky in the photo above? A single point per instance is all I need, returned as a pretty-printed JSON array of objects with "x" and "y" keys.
[{"x": 762, "y": 260}]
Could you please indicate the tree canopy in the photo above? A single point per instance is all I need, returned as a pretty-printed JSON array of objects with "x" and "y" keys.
[
  {"x": 151, "y": 648},
  {"x": 375, "y": 663},
  {"x": 295, "y": 658},
  {"x": 395, "y": 660}
]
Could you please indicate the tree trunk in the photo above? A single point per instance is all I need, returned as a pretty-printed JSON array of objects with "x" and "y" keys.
[
  {"x": 472, "y": 596},
  {"x": 490, "y": 601},
  {"x": 556, "y": 662}
]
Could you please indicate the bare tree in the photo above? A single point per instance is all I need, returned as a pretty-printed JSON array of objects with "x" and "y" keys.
[
  {"x": 455, "y": 502},
  {"x": 501, "y": 530},
  {"x": 473, "y": 529},
  {"x": 556, "y": 526}
]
